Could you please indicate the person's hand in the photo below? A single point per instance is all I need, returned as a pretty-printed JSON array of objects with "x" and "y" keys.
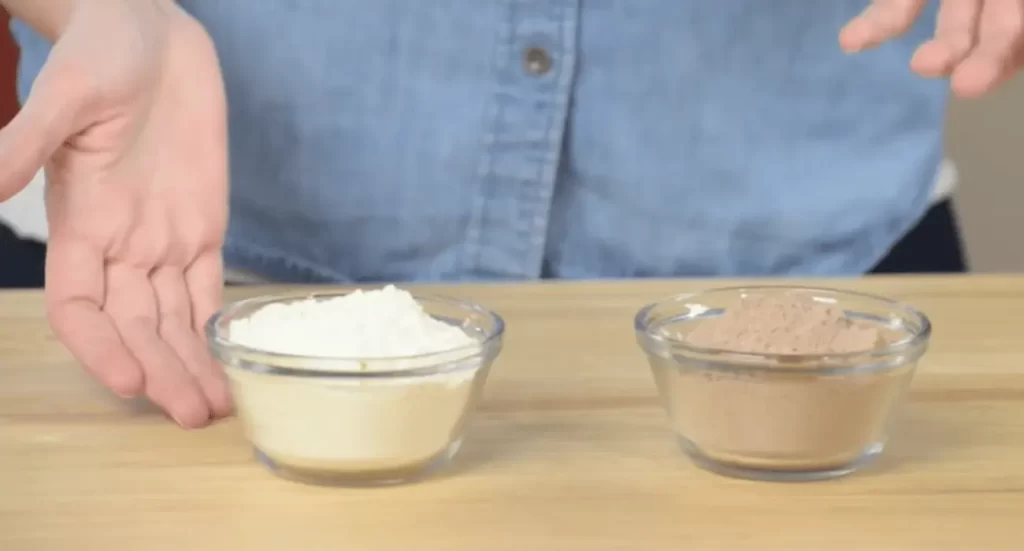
[
  {"x": 977, "y": 43},
  {"x": 128, "y": 116}
]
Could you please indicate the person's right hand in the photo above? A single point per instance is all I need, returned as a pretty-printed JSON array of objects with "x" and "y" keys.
[
  {"x": 128, "y": 116},
  {"x": 978, "y": 44}
]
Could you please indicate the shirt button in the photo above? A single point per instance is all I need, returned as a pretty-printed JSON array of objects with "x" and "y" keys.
[{"x": 537, "y": 61}]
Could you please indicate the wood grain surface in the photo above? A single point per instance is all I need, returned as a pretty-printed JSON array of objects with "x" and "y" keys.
[{"x": 570, "y": 450}]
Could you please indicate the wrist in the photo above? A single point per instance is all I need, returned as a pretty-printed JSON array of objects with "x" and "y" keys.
[{"x": 49, "y": 18}]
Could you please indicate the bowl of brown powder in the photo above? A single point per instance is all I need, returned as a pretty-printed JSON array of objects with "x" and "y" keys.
[{"x": 781, "y": 382}]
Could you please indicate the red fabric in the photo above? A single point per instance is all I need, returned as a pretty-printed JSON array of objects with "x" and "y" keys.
[{"x": 8, "y": 70}]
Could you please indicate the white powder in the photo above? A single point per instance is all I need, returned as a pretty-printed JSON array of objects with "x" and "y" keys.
[
  {"x": 381, "y": 323},
  {"x": 350, "y": 426}
]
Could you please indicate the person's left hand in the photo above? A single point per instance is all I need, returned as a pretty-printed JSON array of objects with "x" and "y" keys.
[{"x": 977, "y": 43}]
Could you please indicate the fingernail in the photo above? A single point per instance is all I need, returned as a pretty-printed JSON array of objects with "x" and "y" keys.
[{"x": 190, "y": 424}]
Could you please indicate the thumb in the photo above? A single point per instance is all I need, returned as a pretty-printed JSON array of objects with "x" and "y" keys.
[{"x": 42, "y": 125}]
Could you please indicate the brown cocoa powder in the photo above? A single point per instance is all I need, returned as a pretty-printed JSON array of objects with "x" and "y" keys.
[
  {"x": 794, "y": 324},
  {"x": 785, "y": 419}
]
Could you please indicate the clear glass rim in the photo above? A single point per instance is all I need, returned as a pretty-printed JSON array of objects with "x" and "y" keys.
[
  {"x": 447, "y": 359},
  {"x": 642, "y": 324}
]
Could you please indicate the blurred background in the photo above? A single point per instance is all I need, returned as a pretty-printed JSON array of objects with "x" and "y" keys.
[{"x": 985, "y": 139}]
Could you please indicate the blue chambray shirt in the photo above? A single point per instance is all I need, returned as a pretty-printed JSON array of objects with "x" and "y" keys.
[{"x": 509, "y": 139}]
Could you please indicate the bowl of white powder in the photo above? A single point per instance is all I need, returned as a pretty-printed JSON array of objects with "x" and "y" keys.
[
  {"x": 782, "y": 383},
  {"x": 366, "y": 387}
]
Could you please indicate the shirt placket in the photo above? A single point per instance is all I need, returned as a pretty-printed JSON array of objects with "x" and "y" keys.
[{"x": 534, "y": 67}]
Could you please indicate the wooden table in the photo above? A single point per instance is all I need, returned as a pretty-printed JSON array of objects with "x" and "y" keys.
[{"x": 570, "y": 451}]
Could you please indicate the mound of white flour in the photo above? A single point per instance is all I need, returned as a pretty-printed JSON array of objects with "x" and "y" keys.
[{"x": 380, "y": 323}]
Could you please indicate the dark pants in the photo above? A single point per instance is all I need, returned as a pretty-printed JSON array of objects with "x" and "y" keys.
[
  {"x": 933, "y": 246},
  {"x": 21, "y": 260}
]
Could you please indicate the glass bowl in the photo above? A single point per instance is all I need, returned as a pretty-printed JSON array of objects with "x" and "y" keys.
[
  {"x": 357, "y": 421},
  {"x": 780, "y": 416}
]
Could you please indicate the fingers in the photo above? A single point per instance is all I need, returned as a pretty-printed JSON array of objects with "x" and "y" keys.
[
  {"x": 45, "y": 122},
  {"x": 977, "y": 42},
  {"x": 132, "y": 304},
  {"x": 995, "y": 55},
  {"x": 883, "y": 20},
  {"x": 175, "y": 327},
  {"x": 955, "y": 34},
  {"x": 134, "y": 333},
  {"x": 205, "y": 281},
  {"x": 75, "y": 287}
]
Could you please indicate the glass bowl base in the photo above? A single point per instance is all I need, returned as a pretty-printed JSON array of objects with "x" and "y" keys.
[
  {"x": 406, "y": 474},
  {"x": 761, "y": 470}
]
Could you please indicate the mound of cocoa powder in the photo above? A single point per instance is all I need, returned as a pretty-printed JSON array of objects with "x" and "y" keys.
[
  {"x": 786, "y": 324},
  {"x": 781, "y": 419}
]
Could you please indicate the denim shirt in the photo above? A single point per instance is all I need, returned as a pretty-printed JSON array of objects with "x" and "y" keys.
[{"x": 411, "y": 140}]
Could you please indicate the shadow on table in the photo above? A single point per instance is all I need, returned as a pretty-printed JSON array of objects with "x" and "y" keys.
[
  {"x": 920, "y": 437},
  {"x": 491, "y": 440}
]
